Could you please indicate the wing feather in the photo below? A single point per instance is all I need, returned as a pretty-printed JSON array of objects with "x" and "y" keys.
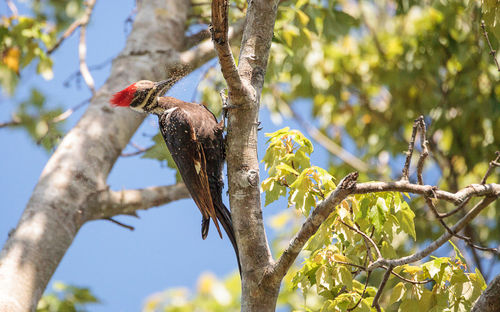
[{"x": 189, "y": 156}]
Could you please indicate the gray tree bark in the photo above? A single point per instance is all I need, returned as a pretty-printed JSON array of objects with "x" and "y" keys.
[
  {"x": 245, "y": 85},
  {"x": 79, "y": 167},
  {"x": 489, "y": 301}
]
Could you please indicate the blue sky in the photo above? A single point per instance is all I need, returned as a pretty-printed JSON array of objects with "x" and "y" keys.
[{"x": 165, "y": 250}]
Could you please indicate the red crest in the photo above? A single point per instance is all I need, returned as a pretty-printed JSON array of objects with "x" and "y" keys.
[{"x": 124, "y": 97}]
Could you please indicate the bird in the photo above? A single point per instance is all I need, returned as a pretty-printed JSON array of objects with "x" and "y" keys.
[{"x": 195, "y": 140}]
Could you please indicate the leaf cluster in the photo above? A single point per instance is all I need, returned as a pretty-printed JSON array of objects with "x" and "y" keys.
[
  {"x": 26, "y": 38},
  {"x": 289, "y": 168},
  {"x": 339, "y": 255},
  {"x": 38, "y": 120},
  {"x": 212, "y": 295},
  {"x": 66, "y": 298}
]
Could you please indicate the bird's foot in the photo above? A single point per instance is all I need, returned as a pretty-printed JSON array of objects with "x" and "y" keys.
[{"x": 225, "y": 106}]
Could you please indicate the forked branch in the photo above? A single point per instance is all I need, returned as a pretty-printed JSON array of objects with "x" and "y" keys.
[
  {"x": 220, "y": 38},
  {"x": 349, "y": 186}
]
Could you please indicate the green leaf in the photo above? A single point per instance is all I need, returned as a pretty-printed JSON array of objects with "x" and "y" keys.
[
  {"x": 409, "y": 305},
  {"x": 344, "y": 277},
  {"x": 377, "y": 214},
  {"x": 274, "y": 192},
  {"x": 324, "y": 277},
  {"x": 397, "y": 293},
  {"x": 45, "y": 68},
  {"x": 287, "y": 168},
  {"x": 405, "y": 217},
  {"x": 364, "y": 206}
]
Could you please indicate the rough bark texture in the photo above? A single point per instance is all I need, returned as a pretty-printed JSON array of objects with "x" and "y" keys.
[
  {"x": 80, "y": 166},
  {"x": 489, "y": 301},
  {"x": 242, "y": 160}
]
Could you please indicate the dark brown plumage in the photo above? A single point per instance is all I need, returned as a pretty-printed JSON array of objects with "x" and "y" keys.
[{"x": 195, "y": 141}]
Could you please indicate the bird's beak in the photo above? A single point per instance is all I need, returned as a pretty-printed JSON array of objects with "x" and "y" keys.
[{"x": 163, "y": 85}]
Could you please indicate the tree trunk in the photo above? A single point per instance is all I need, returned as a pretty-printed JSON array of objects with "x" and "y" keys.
[
  {"x": 242, "y": 159},
  {"x": 78, "y": 169}
]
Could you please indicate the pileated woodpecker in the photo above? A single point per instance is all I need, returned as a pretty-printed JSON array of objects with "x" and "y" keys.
[{"x": 194, "y": 138}]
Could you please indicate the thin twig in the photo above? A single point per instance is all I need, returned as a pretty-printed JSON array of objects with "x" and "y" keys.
[
  {"x": 362, "y": 294},
  {"x": 454, "y": 211},
  {"x": 409, "y": 280},
  {"x": 493, "y": 163},
  {"x": 71, "y": 29},
  {"x": 77, "y": 74},
  {"x": 350, "y": 264},
  {"x": 10, "y": 123},
  {"x": 330, "y": 145},
  {"x": 375, "y": 303},
  {"x": 63, "y": 116},
  {"x": 82, "y": 47},
  {"x": 419, "y": 122},
  {"x": 65, "y": 35},
  {"x": 468, "y": 240},
  {"x": 367, "y": 245},
  {"x": 366, "y": 237},
  {"x": 70, "y": 111},
  {"x": 409, "y": 153},
  {"x": 203, "y": 52},
  {"x": 493, "y": 52},
  {"x": 438, "y": 242},
  {"x": 372, "y": 31},
  {"x": 424, "y": 147},
  {"x": 130, "y": 18},
  {"x": 12, "y": 8},
  {"x": 139, "y": 150},
  {"x": 120, "y": 224}
]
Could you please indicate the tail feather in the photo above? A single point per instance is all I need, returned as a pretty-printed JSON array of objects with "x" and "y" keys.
[
  {"x": 205, "y": 225},
  {"x": 224, "y": 217}
]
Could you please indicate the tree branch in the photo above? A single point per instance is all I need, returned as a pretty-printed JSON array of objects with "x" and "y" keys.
[
  {"x": 381, "y": 287},
  {"x": 82, "y": 47},
  {"x": 345, "y": 187},
  {"x": 127, "y": 202},
  {"x": 204, "y": 51},
  {"x": 489, "y": 301},
  {"x": 424, "y": 144},
  {"x": 77, "y": 23},
  {"x": 196, "y": 38},
  {"x": 365, "y": 237},
  {"x": 348, "y": 186},
  {"x": 220, "y": 38},
  {"x": 475, "y": 190},
  {"x": 12, "y": 8},
  {"x": 82, "y": 161},
  {"x": 409, "y": 153},
  {"x": 493, "y": 164},
  {"x": 493, "y": 52},
  {"x": 438, "y": 242},
  {"x": 241, "y": 147}
]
